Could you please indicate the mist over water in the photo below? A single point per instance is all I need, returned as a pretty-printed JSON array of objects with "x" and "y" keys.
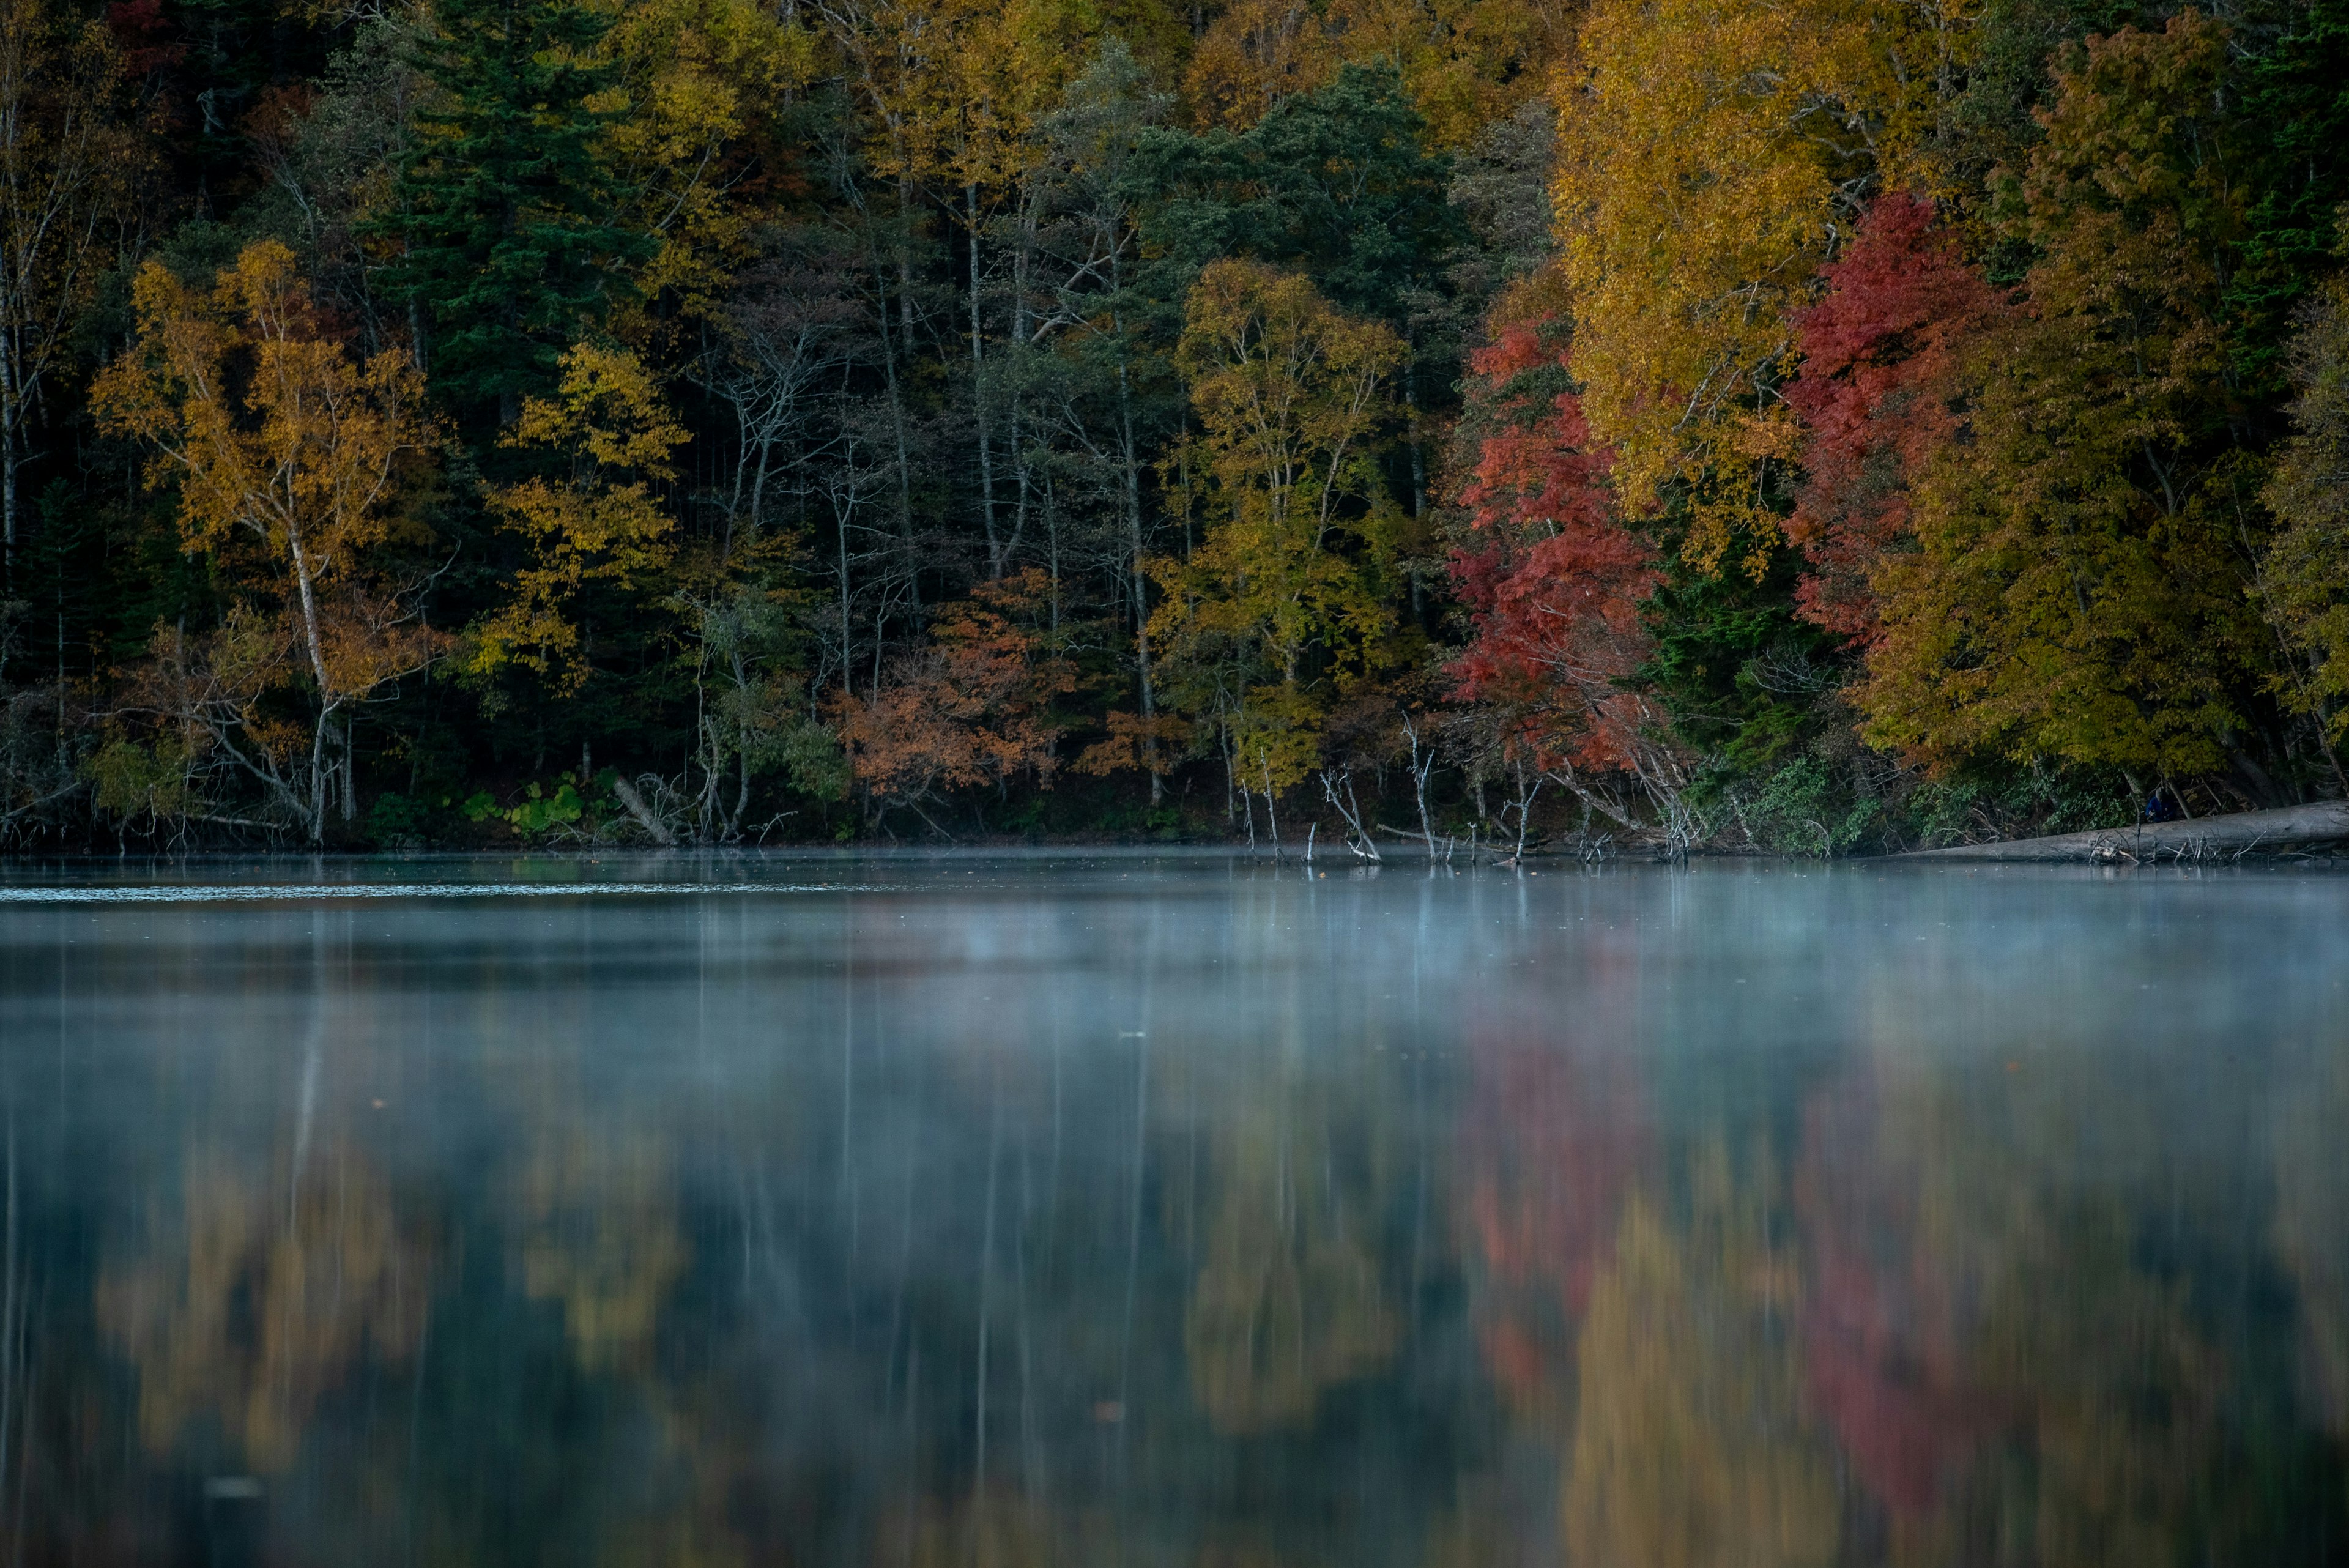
[{"x": 1092, "y": 1210}]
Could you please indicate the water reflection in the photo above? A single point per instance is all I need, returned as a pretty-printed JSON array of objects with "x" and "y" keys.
[{"x": 1183, "y": 1214}]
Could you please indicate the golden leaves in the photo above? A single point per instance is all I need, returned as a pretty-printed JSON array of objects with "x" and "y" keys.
[
  {"x": 1291, "y": 393},
  {"x": 1466, "y": 63},
  {"x": 1701, "y": 145},
  {"x": 957, "y": 84},
  {"x": 266, "y": 1296},
  {"x": 1688, "y": 1448},
  {"x": 603, "y": 524},
  {"x": 694, "y": 77},
  {"x": 309, "y": 458},
  {"x": 609, "y": 407}
]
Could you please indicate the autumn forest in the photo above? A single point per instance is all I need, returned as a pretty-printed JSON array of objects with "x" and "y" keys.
[{"x": 1803, "y": 426}]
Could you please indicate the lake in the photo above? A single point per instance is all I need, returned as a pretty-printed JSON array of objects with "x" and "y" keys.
[{"x": 1119, "y": 1210}]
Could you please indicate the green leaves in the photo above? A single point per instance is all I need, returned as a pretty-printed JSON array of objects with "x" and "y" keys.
[
  {"x": 1335, "y": 181},
  {"x": 504, "y": 218}
]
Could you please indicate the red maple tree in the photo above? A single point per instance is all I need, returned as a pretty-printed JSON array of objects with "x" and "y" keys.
[
  {"x": 1554, "y": 579},
  {"x": 1877, "y": 394}
]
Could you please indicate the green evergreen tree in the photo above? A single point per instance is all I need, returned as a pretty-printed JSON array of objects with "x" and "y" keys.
[
  {"x": 2298, "y": 94},
  {"x": 1335, "y": 183},
  {"x": 506, "y": 220}
]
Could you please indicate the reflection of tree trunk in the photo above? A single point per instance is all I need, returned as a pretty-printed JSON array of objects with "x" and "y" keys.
[
  {"x": 12, "y": 1335},
  {"x": 986, "y": 1285},
  {"x": 848, "y": 1107},
  {"x": 1031, "y": 1452},
  {"x": 1133, "y": 1215}
]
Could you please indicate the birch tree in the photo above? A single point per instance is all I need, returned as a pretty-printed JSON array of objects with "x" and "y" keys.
[{"x": 292, "y": 461}]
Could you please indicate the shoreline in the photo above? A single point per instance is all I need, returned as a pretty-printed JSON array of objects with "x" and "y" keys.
[{"x": 2281, "y": 831}]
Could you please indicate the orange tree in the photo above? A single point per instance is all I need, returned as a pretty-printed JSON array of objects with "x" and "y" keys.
[
  {"x": 294, "y": 462},
  {"x": 971, "y": 708}
]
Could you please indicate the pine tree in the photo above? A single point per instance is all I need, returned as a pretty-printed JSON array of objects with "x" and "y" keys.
[
  {"x": 506, "y": 218},
  {"x": 2299, "y": 93}
]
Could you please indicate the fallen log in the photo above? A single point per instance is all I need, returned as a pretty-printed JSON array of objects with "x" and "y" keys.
[{"x": 2236, "y": 835}]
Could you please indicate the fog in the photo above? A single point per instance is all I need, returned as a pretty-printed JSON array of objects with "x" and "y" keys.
[{"x": 1171, "y": 1210}]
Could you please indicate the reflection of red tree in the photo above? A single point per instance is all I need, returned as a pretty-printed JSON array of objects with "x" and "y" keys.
[
  {"x": 1553, "y": 1136},
  {"x": 1880, "y": 1339}
]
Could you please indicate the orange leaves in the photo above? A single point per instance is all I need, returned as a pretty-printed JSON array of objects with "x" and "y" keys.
[
  {"x": 1134, "y": 741},
  {"x": 973, "y": 708},
  {"x": 269, "y": 425}
]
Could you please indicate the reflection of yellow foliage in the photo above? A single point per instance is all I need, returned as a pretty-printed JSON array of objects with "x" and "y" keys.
[
  {"x": 2312, "y": 1231},
  {"x": 2122, "y": 1392},
  {"x": 991, "y": 1530},
  {"x": 263, "y": 1296},
  {"x": 1288, "y": 1302},
  {"x": 1687, "y": 1448},
  {"x": 600, "y": 1235}
]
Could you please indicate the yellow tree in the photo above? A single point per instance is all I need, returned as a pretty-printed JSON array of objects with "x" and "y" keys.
[
  {"x": 1466, "y": 62},
  {"x": 1286, "y": 595},
  {"x": 597, "y": 521},
  {"x": 1702, "y": 144},
  {"x": 1257, "y": 53},
  {"x": 2305, "y": 579},
  {"x": 956, "y": 88},
  {"x": 695, "y": 77},
  {"x": 293, "y": 460}
]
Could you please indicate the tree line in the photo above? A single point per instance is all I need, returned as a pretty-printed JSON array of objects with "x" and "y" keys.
[{"x": 1812, "y": 425}]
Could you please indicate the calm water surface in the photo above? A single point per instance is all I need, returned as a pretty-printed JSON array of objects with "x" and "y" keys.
[{"x": 995, "y": 1213}]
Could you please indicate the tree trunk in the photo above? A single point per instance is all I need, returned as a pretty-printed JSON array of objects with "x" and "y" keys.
[
  {"x": 317, "y": 647},
  {"x": 10, "y": 412},
  {"x": 1131, "y": 458},
  {"x": 978, "y": 395}
]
